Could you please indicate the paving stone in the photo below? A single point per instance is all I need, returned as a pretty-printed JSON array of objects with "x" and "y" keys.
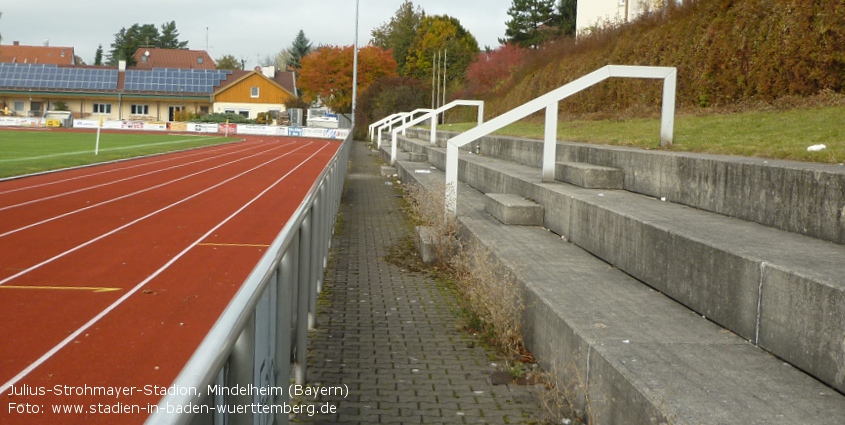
[{"x": 399, "y": 350}]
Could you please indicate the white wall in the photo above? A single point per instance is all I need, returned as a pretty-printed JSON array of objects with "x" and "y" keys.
[{"x": 592, "y": 12}]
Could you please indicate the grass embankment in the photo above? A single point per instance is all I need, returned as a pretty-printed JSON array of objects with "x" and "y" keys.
[
  {"x": 776, "y": 134},
  {"x": 31, "y": 151}
]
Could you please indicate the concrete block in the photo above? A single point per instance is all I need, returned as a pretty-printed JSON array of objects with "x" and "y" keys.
[
  {"x": 418, "y": 157},
  {"x": 388, "y": 171},
  {"x": 589, "y": 176},
  {"x": 426, "y": 242},
  {"x": 513, "y": 209}
]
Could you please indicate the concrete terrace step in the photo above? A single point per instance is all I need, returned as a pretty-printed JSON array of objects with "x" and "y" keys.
[
  {"x": 589, "y": 176},
  {"x": 782, "y": 291},
  {"x": 643, "y": 358}
]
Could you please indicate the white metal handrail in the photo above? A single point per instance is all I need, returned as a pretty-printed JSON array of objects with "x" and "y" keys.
[
  {"x": 373, "y": 126},
  {"x": 432, "y": 115},
  {"x": 266, "y": 324},
  {"x": 549, "y": 102},
  {"x": 401, "y": 116}
]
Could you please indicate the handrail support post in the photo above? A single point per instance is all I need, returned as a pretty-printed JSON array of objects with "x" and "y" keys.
[{"x": 550, "y": 142}]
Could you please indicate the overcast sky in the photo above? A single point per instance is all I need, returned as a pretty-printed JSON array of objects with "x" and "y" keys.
[{"x": 246, "y": 29}]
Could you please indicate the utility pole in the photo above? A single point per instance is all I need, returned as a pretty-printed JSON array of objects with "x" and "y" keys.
[{"x": 355, "y": 68}]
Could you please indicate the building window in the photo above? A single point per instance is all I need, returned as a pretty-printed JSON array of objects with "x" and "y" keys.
[
  {"x": 140, "y": 109},
  {"x": 244, "y": 113},
  {"x": 203, "y": 110},
  {"x": 229, "y": 111},
  {"x": 254, "y": 92},
  {"x": 199, "y": 60},
  {"x": 102, "y": 108},
  {"x": 19, "y": 106}
]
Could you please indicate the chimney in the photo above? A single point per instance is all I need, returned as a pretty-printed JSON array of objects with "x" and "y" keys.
[
  {"x": 269, "y": 71},
  {"x": 121, "y": 65},
  {"x": 16, "y": 43}
]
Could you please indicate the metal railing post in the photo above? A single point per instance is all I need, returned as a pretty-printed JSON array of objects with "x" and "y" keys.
[
  {"x": 667, "y": 115},
  {"x": 550, "y": 143},
  {"x": 302, "y": 301},
  {"x": 284, "y": 278},
  {"x": 316, "y": 260},
  {"x": 241, "y": 370}
]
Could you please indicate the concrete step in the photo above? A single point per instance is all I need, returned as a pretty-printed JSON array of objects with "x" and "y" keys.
[
  {"x": 799, "y": 197},
  {"x": 779, "y": 290},
  {"x": 641, "y": 358},
  {"x": 589, "y": 176},
  {"x": 512, "y": 209}
]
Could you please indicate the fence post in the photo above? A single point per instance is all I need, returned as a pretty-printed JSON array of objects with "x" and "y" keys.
[
  {"x": 241, "y": 370},
  {"x": 302, "y": 301}
]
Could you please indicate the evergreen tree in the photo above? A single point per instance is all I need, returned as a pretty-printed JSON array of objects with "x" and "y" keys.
[
  {"x": 229, "y": 62},
  {"x": 532, "y": 22},
  {"x": 399, "y": 33},
  {"x": 169, "y": 38},
  {"x": 299, "y": 49},
  {"x": 98, "y": 55},
  {"x": 127, "y": 41},
  {"x": 566, "y": 13}
]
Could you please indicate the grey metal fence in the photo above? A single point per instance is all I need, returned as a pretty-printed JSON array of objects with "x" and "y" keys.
[{"x": 241, "y": 373}]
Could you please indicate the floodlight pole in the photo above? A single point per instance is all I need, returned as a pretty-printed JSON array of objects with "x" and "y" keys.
[{"x": 355, "y": 68}]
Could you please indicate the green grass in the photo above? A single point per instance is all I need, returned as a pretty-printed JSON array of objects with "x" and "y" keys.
[
  {"x": 31, "y": 151},
  {"x": 782, "y": 134}
]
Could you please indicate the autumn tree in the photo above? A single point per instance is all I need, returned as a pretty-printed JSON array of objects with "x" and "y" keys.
[
  {"x": 398, "y": 34},
  {"x": 229, "y": 62},
  {"x": 493, "y": 70},
  {"x": 326, "y": 74},
  {"x": 436, "y": 34}
]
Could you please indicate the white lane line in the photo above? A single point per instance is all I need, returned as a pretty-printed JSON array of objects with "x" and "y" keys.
[
  {"x": 138, "y": 220},
  {"x": 54, "y": 155},
  {"x": 29, "y": 226},
  {"x": 109, "y": 183},
  {"x": 41, "y": 360},
  {"x": 173, "y": 157}
]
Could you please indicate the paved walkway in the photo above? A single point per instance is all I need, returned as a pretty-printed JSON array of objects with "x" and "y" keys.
[{"x": 390, "y": 335}]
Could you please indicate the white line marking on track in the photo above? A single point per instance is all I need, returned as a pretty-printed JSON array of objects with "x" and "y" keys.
[
  {"x": 26, "y": 371},
  {"x": 172, "y": 157},
  {"x": 30, "y": 158},
  {"x": 97, "y": 186},
  {"x": 138, "y": 220},
  {"x": 29, "y": 226}
]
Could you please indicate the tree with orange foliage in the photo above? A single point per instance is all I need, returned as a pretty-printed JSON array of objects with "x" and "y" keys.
[{"x": 327, "y": 73}]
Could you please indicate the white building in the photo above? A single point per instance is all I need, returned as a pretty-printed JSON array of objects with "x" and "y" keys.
[{"x": 591, "y": 13}]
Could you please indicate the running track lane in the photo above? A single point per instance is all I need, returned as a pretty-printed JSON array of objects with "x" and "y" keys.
[{"x": 184, "y": 264}]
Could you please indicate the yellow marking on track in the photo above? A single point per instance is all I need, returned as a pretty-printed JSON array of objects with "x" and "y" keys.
[
  {"x": 242, "y": 245},
  {"x": 63, "y": 288}
]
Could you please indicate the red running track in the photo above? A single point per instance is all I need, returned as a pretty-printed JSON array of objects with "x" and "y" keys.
[{"x": 110, "y": 276}]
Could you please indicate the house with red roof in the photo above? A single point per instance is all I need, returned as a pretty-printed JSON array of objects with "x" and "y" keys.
[
  {"x": 167, "y": 82},
  {"x": 149, "y": 58},
  {"x": 50, "y": 55}
]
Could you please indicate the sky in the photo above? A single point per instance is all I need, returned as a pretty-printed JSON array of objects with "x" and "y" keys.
[{"x": 248, "y": 29}]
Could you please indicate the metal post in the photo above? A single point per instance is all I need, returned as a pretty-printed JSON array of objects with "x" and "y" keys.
[
  {"x": 355, "y": 68},
  {"x": 283, "y": 281},
  {"x": 445, "y": 51},
  {"x": 316, "y": 236},
  {"x": 550, "y": 143},
  {"x": 241, "y": 369},
  {"x": 667, "y": 117},
  {"x": 302, "y": 301}
]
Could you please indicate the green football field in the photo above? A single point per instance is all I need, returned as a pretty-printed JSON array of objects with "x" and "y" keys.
[{"x": 32, "y": 151}]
